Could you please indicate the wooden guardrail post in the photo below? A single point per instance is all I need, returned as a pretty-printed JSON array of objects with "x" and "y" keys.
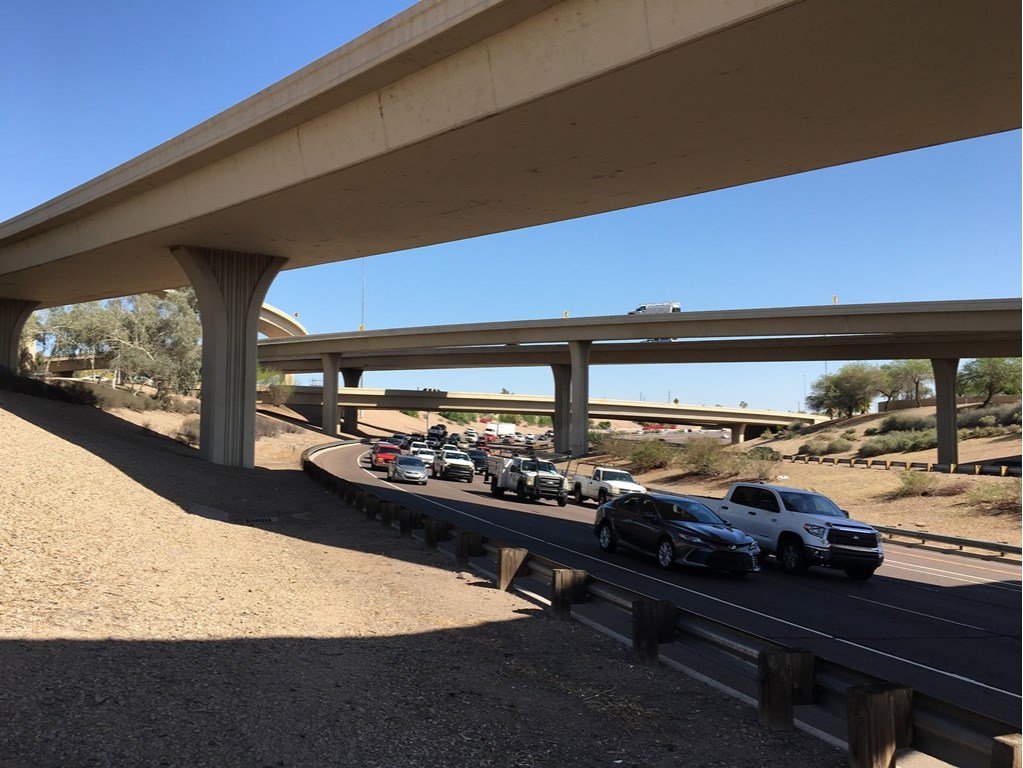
[
  {"x": 653, "y": 623},
  {"x": 880, "y": 720},
  {"x": 467, "y": 544},
  {"x": 510, "y": 561},
  {"x": 436, "y": 531},
  {"x": 371, "y": 506},
  {"x": 568, "y": 586},
  {"x": 387, "y": 510},
  {"x": 1006, "y": 751},
  {"x": 785, "y": 678},
  {"x": 404, "y": 522}
]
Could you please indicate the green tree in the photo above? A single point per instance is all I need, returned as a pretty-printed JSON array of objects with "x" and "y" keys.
[
  {"x": 846, "y": 392},
  {"x": 989, "y": 376},
  {"x": 906, "y": 380},
  {"x": 143, "y": 337}
]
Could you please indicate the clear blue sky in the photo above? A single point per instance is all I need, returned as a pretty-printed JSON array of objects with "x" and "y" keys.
[{"x": 88, "y": 86}]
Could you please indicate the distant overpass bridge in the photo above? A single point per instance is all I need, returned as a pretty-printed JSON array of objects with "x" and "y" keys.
[
  {"x": 743, "y": 422},
  {"x": 940, "y": 331}
]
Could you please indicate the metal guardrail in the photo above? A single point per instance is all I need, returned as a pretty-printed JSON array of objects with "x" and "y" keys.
[
  {"x": 958, "y": 543},
  {"x": 968, "y": 468},
  {"x": 941, "y": 729}
]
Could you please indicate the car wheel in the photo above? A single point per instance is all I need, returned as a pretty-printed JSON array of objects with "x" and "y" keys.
[
  {"x": 665, "y": 553},
  {"x": 520, "y": 491},
  {"x": 495, "y": 489},
  {"x": 791, "y": 556},
  {"x": 606, "y": 538},
  {"x": 859, "y": 574},
  {"x": 562, "y": 501},
  {"x": 602, "y": 497},
  {"x": 470, "y": 478},
  {"x": 579, "y": 498}
]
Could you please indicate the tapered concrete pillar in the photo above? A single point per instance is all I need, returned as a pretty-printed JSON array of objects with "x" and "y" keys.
[
  {"x": 230, "y": 287},
  {"x": 562, "y": 407},
  {"x": 579, "y": 355},
  {"x": 350, "y": 414},
  {"x": 14, "y": 313},
  {"x": 738, "y": 433},
  {"x": 328, "y": 420},
  {"x": 945, "y": 371}
]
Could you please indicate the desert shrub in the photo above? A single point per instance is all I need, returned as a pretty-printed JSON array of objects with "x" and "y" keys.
[
  {"x": 188, "y": 431},
  {"x": 898, "y": 442},
  {"x": 413, "y": 414},
  {"x": 767, "y": 434},
  {"x": 277, "y": 393},
  {"x": 611, "y": 445},
  {"x": 824, "y": 448},
  {"x": 998, "y": 498},
  {"x": 267, "y": 427},
  {"x": 1005, "y": 415},
  {"x": 467, "y": 418},
  {"x": 954, "y": 488},
  {"x": 649, "y": 455},
  {"x": 904, "y": 422},
  {"x": 849, "y": 434},
  {"x": 107, "y": 398},
  {"x": 913, "y": 483},
  {"x": 178, "y": 404},
  {"x": 66, "y": 392},
  {"x": 759, "y": 464},
  {"x": 871, "y": 431},
  {"x": 704, "y": 456}
]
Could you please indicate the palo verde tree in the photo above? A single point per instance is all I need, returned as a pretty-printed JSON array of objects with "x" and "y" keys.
[
  {"x": 905, "y": 380},
  {"x": 145, "y": 337},
  {"x": 989, "y": 376},
  {"x": 847, "y": 392}
]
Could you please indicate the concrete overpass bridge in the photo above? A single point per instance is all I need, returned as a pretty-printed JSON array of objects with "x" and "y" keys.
[
  {"x": 743, "y": 423},
  {"x": 400, "y": 139},
  {"x": 940, "y": 331}
]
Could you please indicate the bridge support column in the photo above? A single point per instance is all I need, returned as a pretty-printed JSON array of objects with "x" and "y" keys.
[
  {"x": 350, "y": 413},
  {"x": 230, "y": 287},
  {"x": 14, "y": 313},
  {"x": 579, "y": 353},
  {"x": 328, "y": 420},
  {"x": 945, "y": 370},
  {"x": 562, "y": 407},
  {"x": 739, "y": 433}
]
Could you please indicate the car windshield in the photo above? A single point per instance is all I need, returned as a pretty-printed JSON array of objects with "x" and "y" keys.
[
  {"x": 455, "y": 455},
  {"x": 811, "y": 504},
  {"x": 689, "y": 511},
  {"x": 412, "y": 462},
  {"x": 615, "y": 474},
  {"x": 538, "y": 466}
]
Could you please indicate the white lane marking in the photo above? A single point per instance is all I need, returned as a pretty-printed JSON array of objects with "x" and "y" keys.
[
  {"x": 736, "y": 605},
  {"x": 918, "y": 613},
  {"x": 905, "y": 550},
  {"x": 953, "y": 576}
]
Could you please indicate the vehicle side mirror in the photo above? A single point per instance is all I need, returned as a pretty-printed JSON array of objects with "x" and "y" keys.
[{"x": 844, "y": 512}]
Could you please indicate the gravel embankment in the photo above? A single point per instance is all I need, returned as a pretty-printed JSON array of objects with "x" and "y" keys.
[{"x": 145, "y": 624}]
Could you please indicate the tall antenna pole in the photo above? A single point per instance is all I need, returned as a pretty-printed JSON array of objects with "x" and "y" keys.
[{"x": 362, "y": 322}]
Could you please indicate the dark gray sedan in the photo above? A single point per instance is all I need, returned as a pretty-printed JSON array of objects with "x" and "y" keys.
[{"x": 675, "y": 529}]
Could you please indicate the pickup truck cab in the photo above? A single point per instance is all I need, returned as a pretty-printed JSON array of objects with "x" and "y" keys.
[
  {"x": 603, "y": 484},
  {"x": 801, "y": 528}
]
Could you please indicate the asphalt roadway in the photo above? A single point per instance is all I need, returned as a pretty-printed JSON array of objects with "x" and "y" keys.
[{"x": 943, "y": 624}]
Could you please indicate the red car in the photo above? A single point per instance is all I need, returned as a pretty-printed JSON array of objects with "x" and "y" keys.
[{"x": 383, "y": 454}]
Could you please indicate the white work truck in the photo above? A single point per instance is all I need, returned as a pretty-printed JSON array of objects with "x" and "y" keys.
[
  {"x": 528, "y": 477},
  {"x": 801, "y": 528},
  {"x": 603, "y": 484}
]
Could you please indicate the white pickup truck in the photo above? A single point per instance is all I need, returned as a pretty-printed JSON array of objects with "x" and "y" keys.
[
  {"x": 453, "y": 464},
  {"x": 603, "y": 484},
  {"x": 526, "y": 476},
  {"x": 801, "y": 528}
]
